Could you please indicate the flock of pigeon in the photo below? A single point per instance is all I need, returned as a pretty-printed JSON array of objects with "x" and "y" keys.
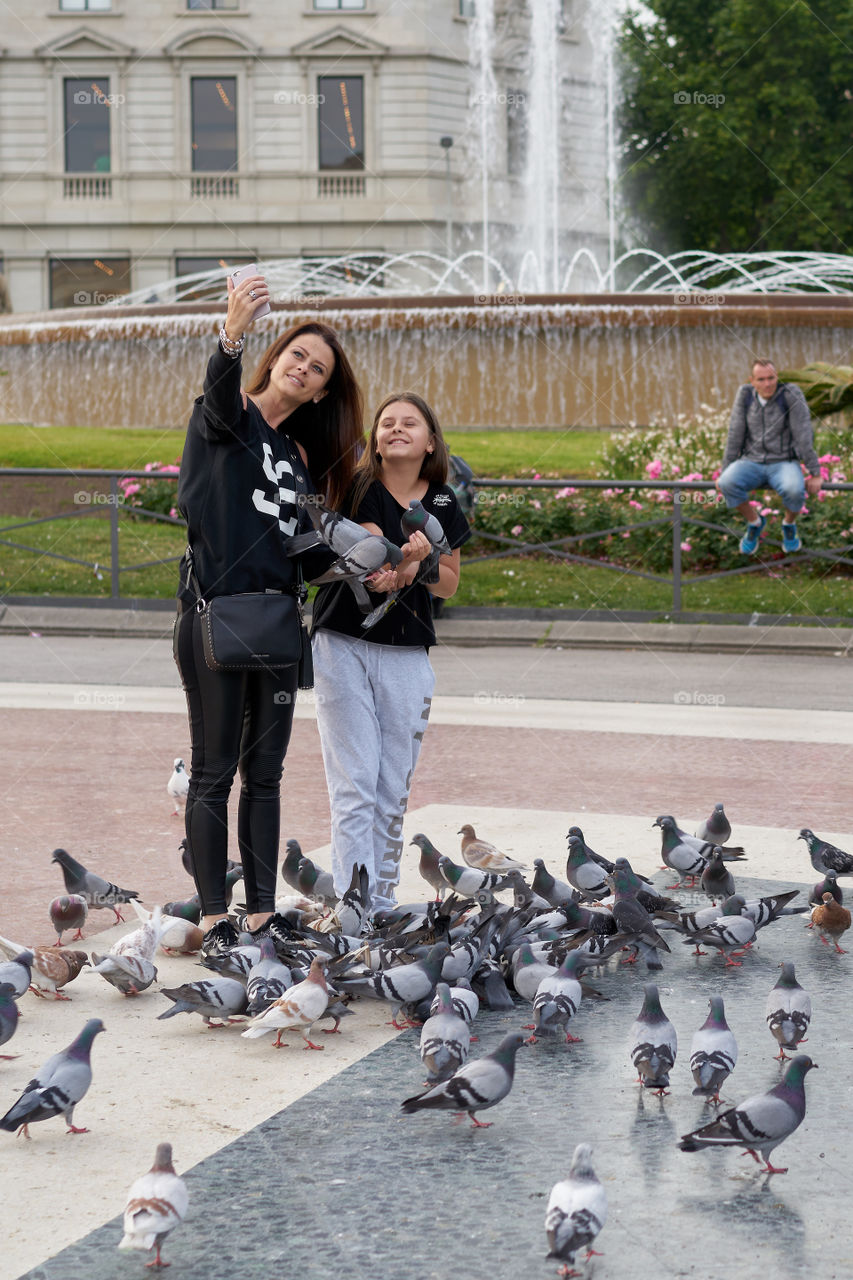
[{"x": 435, "y": 963}]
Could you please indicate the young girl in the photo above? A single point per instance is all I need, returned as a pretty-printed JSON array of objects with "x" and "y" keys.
[{"x": 374, "y": 687}]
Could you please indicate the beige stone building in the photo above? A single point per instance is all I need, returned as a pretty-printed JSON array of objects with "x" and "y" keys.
[{"x": 142, "y": 139}]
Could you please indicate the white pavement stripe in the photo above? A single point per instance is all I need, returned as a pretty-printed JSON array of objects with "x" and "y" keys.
[{"x": 688, "y": 719}]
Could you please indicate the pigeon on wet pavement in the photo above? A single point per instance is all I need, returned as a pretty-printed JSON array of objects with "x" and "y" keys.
[
  {"x": 832, "y": 920},
  {"x": 653, "y": 1043},
  {"x": 555, "y": 892},
  {"x": 557, "y": 1000},
  {"x": 98, "y": 892},
  {"x": 713, "y": 1052},
  {"x": 156, "y": 1204},
  {"x": 716, "y": 880},
  {"x": 577, "y": 1210},
  {"x": 730, "y": 933},
  {"x": 826, "y": 857},
  {"x": 582, "y": 873},
  {"x": 57, "y": 1087},
  {"x": 761, "y": 1123},
  {"x": 445, "y": 1038},
  {"x": 829, "y": 884},
  {"x": 476, "y": 1086},
  {"x": 682, "y": 858},
  {"x": 788, "y": 1011}
]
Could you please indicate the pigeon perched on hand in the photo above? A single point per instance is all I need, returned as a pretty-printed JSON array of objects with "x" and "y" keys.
[
  {"x": 832, "y": 920},
  {"x": 760, "y": 1123},
  {"x": 418, "y": 520},
  {"x": 788, "y": 1011},
  {"x": 68, "y": 912},
  {"x": 300, "y": 1008},
  {"x": 713, "y": 1052},
  {"x": 178, "y": 785},
  {"x": 57, "y": 1087},
  {"x": 359, "y": 553},
  {"x": 476, "y": 1086},
  {"x": 483, "y": 856},
  {"x": 826, "y": 857},
  {"x": 156, "y": 1204},
  {"x": 653, "y": 1043},
  {"x": 98, "y": 892},
  {"x": 577, "y": 1210}
]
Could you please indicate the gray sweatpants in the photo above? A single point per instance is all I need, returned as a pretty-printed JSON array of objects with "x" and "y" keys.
[{"x": 373, "y": 705}]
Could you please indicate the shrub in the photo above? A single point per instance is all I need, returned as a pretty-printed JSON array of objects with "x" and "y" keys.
[{"x": 153, "y": 495}]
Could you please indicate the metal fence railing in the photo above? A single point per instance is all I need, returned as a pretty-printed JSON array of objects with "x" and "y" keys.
[{"x": 93, "y": 504}]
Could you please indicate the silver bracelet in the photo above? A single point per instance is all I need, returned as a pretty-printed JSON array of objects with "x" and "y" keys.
[{"x": 231, "y": 346}]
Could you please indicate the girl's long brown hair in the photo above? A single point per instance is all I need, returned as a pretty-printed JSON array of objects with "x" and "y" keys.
[
  {"x": 435, "y": 466},
  {"x": 332, "y": 431}
]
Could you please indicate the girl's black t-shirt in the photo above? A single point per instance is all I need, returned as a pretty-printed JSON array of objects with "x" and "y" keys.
[{"x": 408, "y": 622}]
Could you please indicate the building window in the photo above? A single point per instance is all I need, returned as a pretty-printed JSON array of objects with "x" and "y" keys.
[
  {"x": 516, "y": 132},
  {"x": 213, "y": 4},
  {"x": 87, "y": 125},
  {"x": 87, "y": 6},
  {"x": 341, "y": 122},
  {"x": 88, "y": 282},
  {"x": 339, "y": 4},
  {"x": 185, "y": 266},
  {"x": 466, "y": 8},
  {"x": 214, "y": 124}
]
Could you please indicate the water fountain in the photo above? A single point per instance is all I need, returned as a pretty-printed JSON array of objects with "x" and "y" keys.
[{"x": 498, "y": 335}]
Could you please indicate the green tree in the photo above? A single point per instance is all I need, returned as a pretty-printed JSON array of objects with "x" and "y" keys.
[{"x": 737, "y": 124}]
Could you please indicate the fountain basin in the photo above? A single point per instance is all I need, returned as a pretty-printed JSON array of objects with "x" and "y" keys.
[{"x": 598, "y": 360}]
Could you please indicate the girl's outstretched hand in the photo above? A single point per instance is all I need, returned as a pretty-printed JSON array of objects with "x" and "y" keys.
[
  {"x": 382, "y": 580},
  {"x": 417, "y": 548}
]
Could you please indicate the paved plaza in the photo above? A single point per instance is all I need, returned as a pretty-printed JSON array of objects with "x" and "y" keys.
[{"x": 300, "y": 1163}]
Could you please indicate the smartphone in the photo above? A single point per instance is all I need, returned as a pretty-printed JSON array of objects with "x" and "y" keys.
[{"x": 241, "y": 273}]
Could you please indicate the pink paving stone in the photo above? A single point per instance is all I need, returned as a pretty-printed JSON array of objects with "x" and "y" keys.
[{"x": 94, "y": 782}]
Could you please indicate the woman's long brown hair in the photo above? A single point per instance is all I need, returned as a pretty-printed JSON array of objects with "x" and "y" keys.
[
  {"x": 332, "y": 431},
  {"x": 435, "y": 466}
]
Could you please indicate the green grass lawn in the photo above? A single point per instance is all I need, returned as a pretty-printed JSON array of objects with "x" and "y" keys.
[{"x": 493, "y": 453}]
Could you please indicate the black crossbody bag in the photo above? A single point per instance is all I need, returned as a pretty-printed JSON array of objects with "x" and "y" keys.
[{"x": 255, "y": 630}]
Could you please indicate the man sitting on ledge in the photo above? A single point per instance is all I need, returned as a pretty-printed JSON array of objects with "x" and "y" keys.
[{"x": 770, "y": 434}]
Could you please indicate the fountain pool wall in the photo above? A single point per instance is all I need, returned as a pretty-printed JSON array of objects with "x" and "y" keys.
[{"x": 547, "y": 361}]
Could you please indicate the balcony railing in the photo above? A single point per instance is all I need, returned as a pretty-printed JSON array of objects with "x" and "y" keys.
[
  {"x": 341, "y": 186},
  {"x": 87, "y": 186}
]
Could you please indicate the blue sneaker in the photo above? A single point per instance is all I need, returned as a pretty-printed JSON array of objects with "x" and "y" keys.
[
  {"x": 749, "y": 541},
  {"x": 790, "y": 538}
]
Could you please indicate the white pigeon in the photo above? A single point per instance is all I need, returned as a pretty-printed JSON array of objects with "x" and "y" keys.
[
  {"x": 129, "y": 965},
  {"x": 299, "y": 1008},
  {"x": 178, "y": 785},
  {"x": 577, "y": 1210},
  {"x": 175, "y": 934},
  {"x": 156, "y": 1204}
]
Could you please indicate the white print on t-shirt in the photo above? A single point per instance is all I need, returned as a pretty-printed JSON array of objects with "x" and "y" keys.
[
  {"x": 441, "y": 500},
  {"x": 272, "y": 506}
]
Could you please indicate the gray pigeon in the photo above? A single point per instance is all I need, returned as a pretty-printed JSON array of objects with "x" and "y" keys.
[
  {"x": 18, "y": 972},
  {"x": 582, "y": 872},
  {"x": 731, "y": 933},
  {"x": 418, "y": 520},
  {"x": 9, "y": 1015},
  {"x": 476, "y": 1086},
  {"x": 358, "y": 552},
  {"x": 128, "y": 974},
  {"x": 713, "y": 1052},
  {"x": 558, "y": 999},
  {"x": 268, "y": 979},
  {"x": 57, "y": 1088},
  {"x": 94, "y": 889},
  {"x": 467, "y": 882},
  {"x": 717, "y": 828},
  {"x": 428, "y": 865},
  {"x": 788, "y": 1011},
  {"x": 445, "y": 1039},
  {"x": 826, "y": 857},
  {"x": 68, "y": 912},
  {"x": 555, "y": 892},
  {"x": 716, "y": 880},
  {"x": 577, "y": 1210},
  {"x": 684, "y": 859},
  {"x": 221, "y": 998},
  {"x": 463, "y": 1001},
  {"x": 403, "y": 985},
  {"x": 236, "y": 962},
  {"x": 353, "y": 908},
  {"x": 761, "y": 1123},
  {"x": 653, "y": 1043}
]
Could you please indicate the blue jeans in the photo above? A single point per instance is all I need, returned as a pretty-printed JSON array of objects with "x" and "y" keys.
[{"x": 742, "y": 476}]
